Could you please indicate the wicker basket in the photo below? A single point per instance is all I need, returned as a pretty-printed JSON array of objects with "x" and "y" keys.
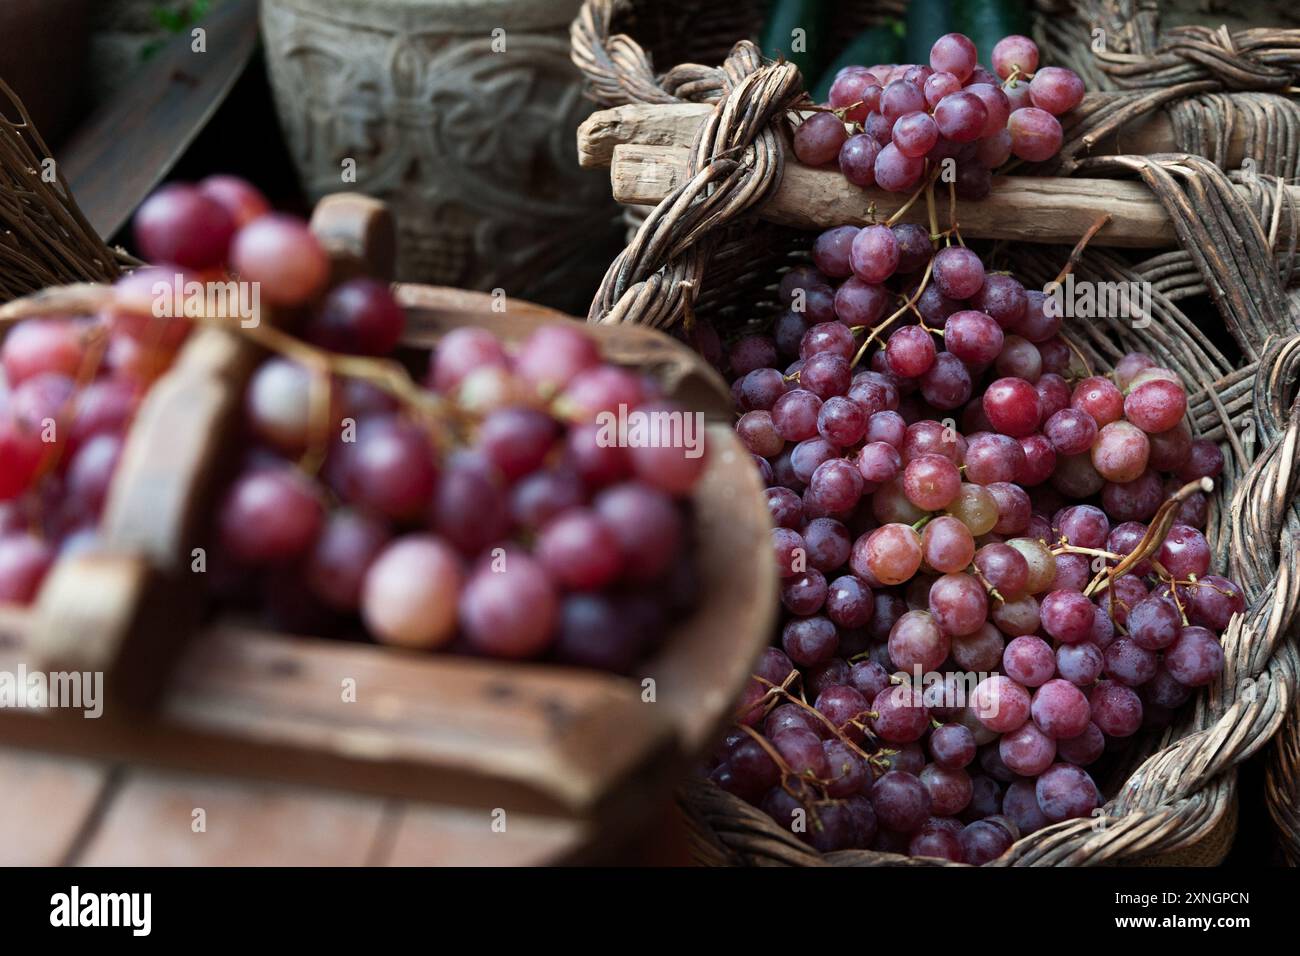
[{"x": 704, "y": 251}]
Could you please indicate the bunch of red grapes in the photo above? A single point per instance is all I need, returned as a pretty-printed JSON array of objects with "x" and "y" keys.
[
  {"x": 493, "y": 516},
  {"x": 954, "y": 509},
  {"x": 905, "y": 117},
  {"x": 527, "y": 536},
  {"x": 491, "y": 513},
  {"x": 71, "y": 384}
]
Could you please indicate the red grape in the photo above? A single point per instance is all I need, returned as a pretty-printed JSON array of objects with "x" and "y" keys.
[
  {"x": 270, "y": 515},
  {"x": 509, "y": 608},
  {"x": 240, "y": 198},
  {"x": 818, "y": 139},
  {"x": 1056, "y": 90},
  {"x": 280, "y": 254},
  {"x": 360, "y": 317},
  {"x": 1035, "y": 134},
  {"x": 1014, "y": 53},
  {"x": 962, "y": 117},
  {"x": 183, "y": 225},
  {"x": 954, "y": 53}
]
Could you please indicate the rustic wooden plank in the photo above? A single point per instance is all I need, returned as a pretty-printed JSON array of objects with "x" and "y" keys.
[
  {"x": 1021, "y": 208},
  {"x": 675, "y": 124},
  {"x": 113, "y": 161},
  {"x": 541, "y": 738},
  {"x": 45, "y": 802},
  {"x": 115, "y": 614},
  {"x": 447, "y": 836},
  {"x": 645, "y": 124},
  {"x": 152, "y": 820}
]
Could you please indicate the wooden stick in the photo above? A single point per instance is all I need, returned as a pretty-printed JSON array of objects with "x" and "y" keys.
[
  {"x": 1022, "y": 208},
  {"x": 656, "y": 124}
]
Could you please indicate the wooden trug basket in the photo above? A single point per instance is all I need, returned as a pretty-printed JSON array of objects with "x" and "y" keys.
[
  {"x": 206, "y": 713},
  {"x": 706, "y": 150}
]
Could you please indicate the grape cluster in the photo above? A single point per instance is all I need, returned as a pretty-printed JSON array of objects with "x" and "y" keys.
[
  {"x": 959, "y": 508},
  {"x": 518, "y": 533},
  {"x": 885, "y": 124},
  {"x": 71, "y": 384},
  {"x": 485, "y": 511}
]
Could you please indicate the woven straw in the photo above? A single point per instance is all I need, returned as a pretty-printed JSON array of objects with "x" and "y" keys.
[
  {"x": 45, "y": 240},
  {"x": 1175, "y": 801}
]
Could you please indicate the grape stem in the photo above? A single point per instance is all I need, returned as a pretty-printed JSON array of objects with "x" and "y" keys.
[
  {"x": 875, "y": 332},
  {"x": 96, "y": 345},
  {"x": 804, "y": 705},
  {"x": 931, "y": 213},
  {"x": 1091, "y": 552},
  {"x": 1155, "y": 536},
  {"x": 786, "y": 771},
  {"x": 1083, "y": 359},
  {"x": 785, "y": 768},
  {"x": 773, "y": 692},
  {"x": 1077, "y": 252},
  {"x": 993, "y": 592},
  {"x": 1163, "y": 574},
  {"x": 911, "y": 200}
]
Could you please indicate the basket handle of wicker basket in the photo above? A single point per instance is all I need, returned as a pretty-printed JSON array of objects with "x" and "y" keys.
[
  {"x": 618, "y": 70},
  {"x": 736, "y": 161}
]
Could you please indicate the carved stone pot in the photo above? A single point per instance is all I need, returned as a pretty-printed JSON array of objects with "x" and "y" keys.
[{"x": 460, "y": 113}]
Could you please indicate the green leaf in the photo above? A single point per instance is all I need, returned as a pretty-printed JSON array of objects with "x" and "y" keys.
[{"x": 169, "y": 20}]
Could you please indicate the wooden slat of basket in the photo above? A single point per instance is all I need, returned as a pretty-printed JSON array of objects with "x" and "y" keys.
[
  {"x": 92, "y": 813},
  {"x": 424, "y": 835},
  {"x": 60, "y": 793},
  {"x": 149, "y": 820},
  {"x": 1024, "y": 208},
  {"x": 544, "y": 739}
]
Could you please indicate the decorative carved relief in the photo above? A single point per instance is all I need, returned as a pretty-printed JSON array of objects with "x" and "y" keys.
[{"x": 474, "y": 148}]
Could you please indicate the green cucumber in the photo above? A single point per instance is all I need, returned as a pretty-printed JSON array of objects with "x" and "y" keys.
[
  {"x": 777, "y": 38},
  {"x": 927, "y": 20},
  {"x": 879, "y": 44},
  {"x": 988, "y": 21}
]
